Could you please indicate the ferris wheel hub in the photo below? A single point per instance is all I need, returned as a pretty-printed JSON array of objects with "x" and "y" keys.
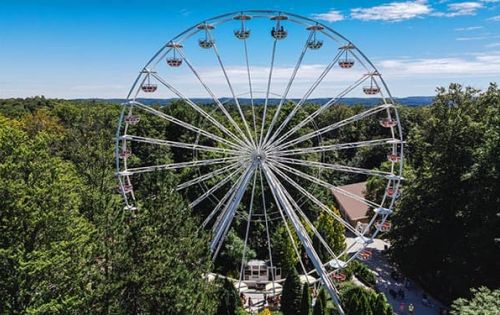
[{"x": 258, "y": 156}]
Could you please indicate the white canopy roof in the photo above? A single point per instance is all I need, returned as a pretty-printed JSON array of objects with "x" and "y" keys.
[
  {"x": 337, "y": 263},
  {"x": 240, "y": 286},
  {"x": 307, "y": 279},
  {"x": 277, "y": 287}
]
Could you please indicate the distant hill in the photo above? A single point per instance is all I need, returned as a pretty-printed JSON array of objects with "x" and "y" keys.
[{"x": 408, "y": 101}]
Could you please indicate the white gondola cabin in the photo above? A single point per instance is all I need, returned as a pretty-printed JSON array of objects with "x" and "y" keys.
[
  {"x": 125, "y": 154},
  {"x": 388, "y": 122},
  {"x": 278, "y": 31},
  {"x": 392, "y": 192},
  {"x": 132, "y": 120},
  {"x": 383, "y": 227},
  {"x": 394, "y": 158},
  {"x": 149, "y": 88}
]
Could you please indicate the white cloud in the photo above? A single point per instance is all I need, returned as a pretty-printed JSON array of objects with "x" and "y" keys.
[
  {"x": 393, "y": 12},
  {"x": 495, "y": 18},
  {"x": 484, "y": 64},
  {"x": 463, "y": 8},
  {"x": 330, "y": 16},
  {"x": 470, "y": 28},
  {"x": 481, "y": 37},
  {"x": 492, "y": 45},
  {"x": 406, "y": 10}
]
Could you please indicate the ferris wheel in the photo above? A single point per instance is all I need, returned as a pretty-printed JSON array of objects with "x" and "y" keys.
[{"x": 260, "y": 156}]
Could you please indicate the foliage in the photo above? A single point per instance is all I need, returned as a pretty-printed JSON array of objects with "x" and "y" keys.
[
  {"x": 228, "y": 298},
  {"x": 284, "y": 255},
  {"x": 265, "y": 311},
  {"x": 67, "y": 245},
  {"x": 332, "y": 231},
  {"x": 356, "y": 301},
  {"x": 318, "y": 308},
  {"x": 380, "y": 306},
  {"x": 483, "y": 302},
  {"x": 322, "y": 296},
  {"x": 45, "y": 243},
  {"x": 305, "y": 303},
  {"x": 229, "y": 260},
  {"x": 291, "y": 295},
  {"x": 455, "y": 155},
  {"x": 362, "y": 272}
]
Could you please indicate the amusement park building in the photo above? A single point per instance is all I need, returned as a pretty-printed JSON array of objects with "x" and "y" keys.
[{"x": 353, "y": 210}]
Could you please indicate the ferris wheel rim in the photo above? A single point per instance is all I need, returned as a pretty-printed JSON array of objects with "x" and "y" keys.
[{"x": 278, "y": 192}]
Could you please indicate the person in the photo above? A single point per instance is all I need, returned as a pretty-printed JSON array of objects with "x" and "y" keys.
[
  {"x": 242, "y": 299},
  {"x": 392, "y": 293},
  {"x": 401, "y": 294},
  {"x": 425, "y": 300},
  {"x": 411, "y": 308},
  {"x": 250, "y": 303}
]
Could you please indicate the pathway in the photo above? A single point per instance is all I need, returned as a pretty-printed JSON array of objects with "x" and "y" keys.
[{"x": 385, "y": 282}]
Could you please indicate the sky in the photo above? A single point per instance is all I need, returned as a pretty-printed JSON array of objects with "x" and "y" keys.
[{"x": 95, "y": 49}]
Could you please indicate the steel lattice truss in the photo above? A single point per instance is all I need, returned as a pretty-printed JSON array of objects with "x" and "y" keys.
[{"x": 265, "y": 153}]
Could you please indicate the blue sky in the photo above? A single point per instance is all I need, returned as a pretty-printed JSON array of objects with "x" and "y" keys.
[{"x": 73, "y": 49}]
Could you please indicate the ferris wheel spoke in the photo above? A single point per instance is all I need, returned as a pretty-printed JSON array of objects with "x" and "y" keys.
[
  {"x": 315, "y": 200},
  {"x": 216, "y": 187},
  {"x": 336, "y": 147},
  {"x": 333, "y": 126},
  {"x": 187, "y": 126},
  {"x": 198, "y": 108},
  {"x": 268, "y": 89},
  {"x": 173, "y": 166},
  {"x": 280, "y": 197},
  {"x": 326, "y": 185},
  {"x": 287, "y": 89},
  {"x": 305, "y": 97},
  {"x": 285, "y": 221},
  {"x": 236, "y": 101},
  {"x": 250, "y": 87},
  {"x": 306, "y": 220},
  {"x": 266, "y": 219},
  {"x": 227, "y": 215},
  {"x": 207, "y": 176},
  {"x": 243, "y": 259},
  {"x": 221, "y": 203},
  {"x": 336, "y": 167},
  {"x": 181, "y": 145},
  {"x": 322, "y": 108}
]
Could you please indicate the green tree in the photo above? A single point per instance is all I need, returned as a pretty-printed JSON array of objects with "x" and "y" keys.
[
  {"x": 483, "y": 302},
  {"x": 45, "y": 244},
  {"x": 319, "y": 308},
  {"x": 291, "y": 295},
  {"x": 155, "y": 268},
  {"x": 323, "y": 297},
  {"x": 228, "y": 298},
  {"x": 456, "y": 158},
  {"x": 332, "y": 231},
  {"x": 230, "y": 258},
  {"x": 380, "y": 306},
  {"x": 356, "y": 300},
  {"x": 305, "y": 304},
  {"x": 284, "y": 255}
]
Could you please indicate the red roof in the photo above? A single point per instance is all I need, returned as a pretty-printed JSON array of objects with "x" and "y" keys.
[{"x": 354, "y": 209}]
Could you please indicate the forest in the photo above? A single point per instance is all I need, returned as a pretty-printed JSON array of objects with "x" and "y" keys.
[{"x": 67, "y": 246}]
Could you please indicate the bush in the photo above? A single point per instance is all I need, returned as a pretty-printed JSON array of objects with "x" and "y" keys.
[{"x": 363, "y": 273}]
